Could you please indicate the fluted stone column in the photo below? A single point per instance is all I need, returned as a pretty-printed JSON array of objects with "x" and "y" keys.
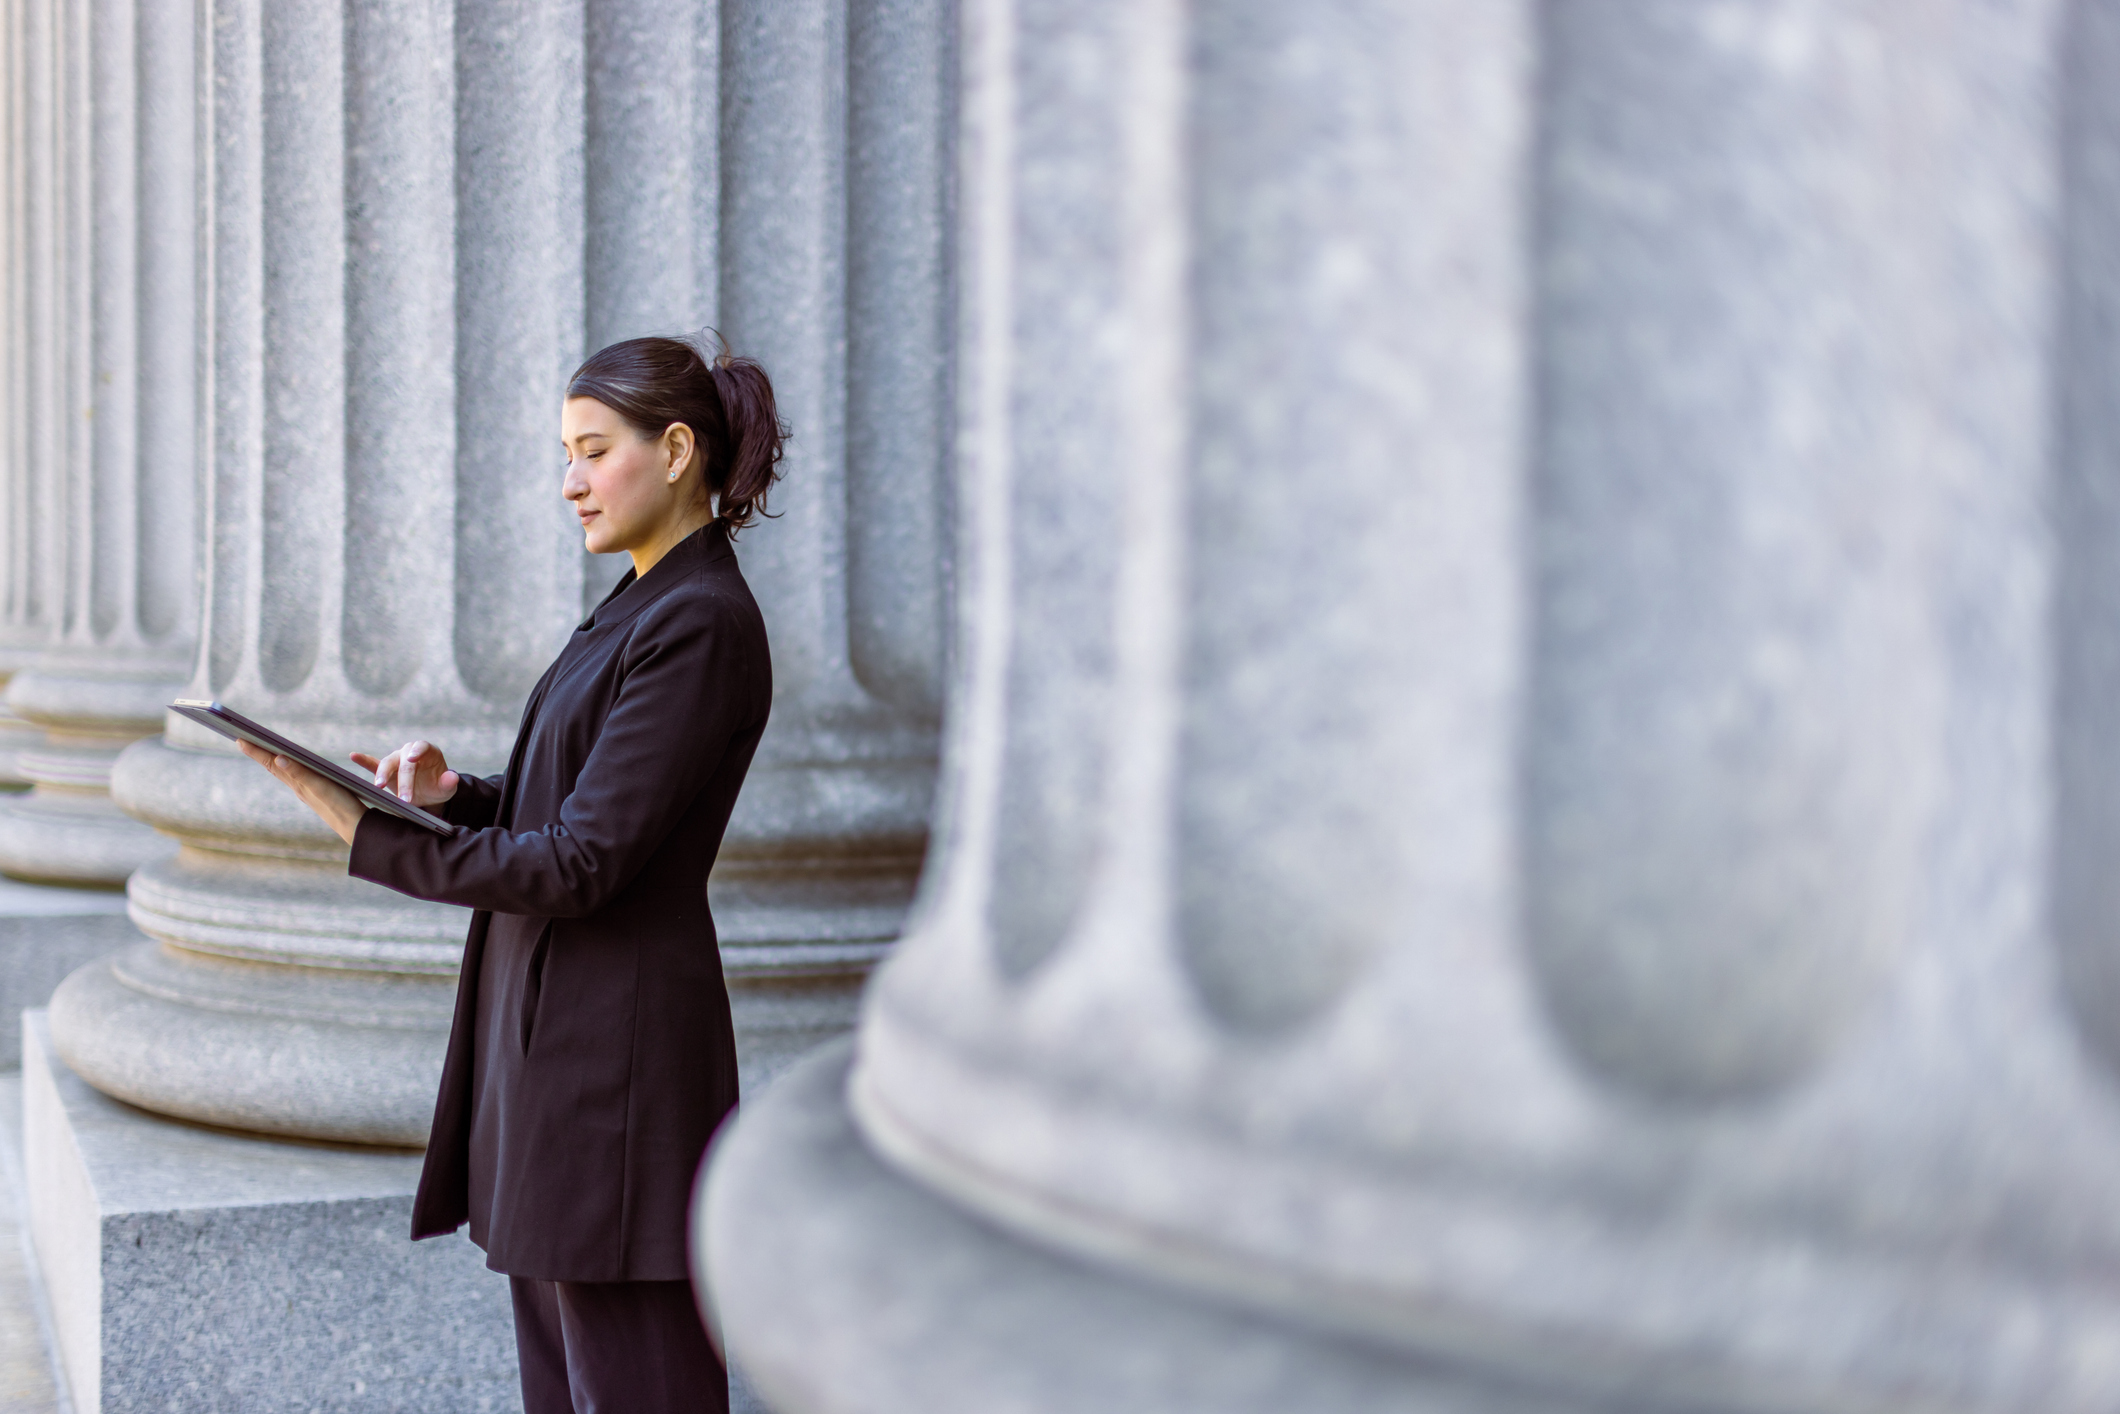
[
  {"x": 402, "y": 275},
  {"x": 69, "y": 574},
  {"x": 389, "y": 557},
  {"x": 115, "y": 544},
  {"x": 1530, "y": 818},
  {"x": 28, "y": 344},
  {"x": 832, "y": 275}
]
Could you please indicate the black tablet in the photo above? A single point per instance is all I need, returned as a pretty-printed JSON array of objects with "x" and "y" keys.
[{"x": 237, "y": 727}]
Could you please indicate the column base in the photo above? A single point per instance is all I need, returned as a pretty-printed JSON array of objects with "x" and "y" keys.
[
  {"x": 45, "y": 933},
  {"x": 316, "y": 1053},
  {"x": 74, "y": 838},
  {"x": 191, "y": 1270},
  {"x": 846, "y": 1289},
  {"x": 17, "y": 735}
]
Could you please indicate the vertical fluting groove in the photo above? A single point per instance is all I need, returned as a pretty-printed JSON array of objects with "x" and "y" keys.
[
  {"x": 1345, "y": 781},
  {"x": 651, "y": 175},
  {"x": 304, "y": 235},
  {"x": 1069, "y": 432},
  {"x": 1731, "y": 688},
  {"x": 200, "y": 105},
  {"x": 705, "y": 154},
  {"x": 110, "y": 531},
  {"x": 519, "y": 310},
  {"x": 13, "y": 312},
  {"x": 783, "y": 301},
  {"x": 43, "y": 445},
  {"x": 50, "y": 417},
  {"x": 897, "y": 346},
  {"x": 400, "y": 343},
  {"x": 233, "y": 151},
  {"x": 165, "y": 446},
  {"x": 2086, "y": 524},
  {"x": 21, "y": 550},
  {"x": 75, "y": 331},
  {"x": 53, "y": 413},
  {"x": 641, "y": 86},
  {"x": 960, "y": 850}
]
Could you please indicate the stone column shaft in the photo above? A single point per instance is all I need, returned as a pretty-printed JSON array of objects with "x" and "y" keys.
[
  {"x": 30, "y": 160},
  {"x": 351, "y": 400},
  {"x": 830, "y": 274},
  {"x": 119, "y": 538}
]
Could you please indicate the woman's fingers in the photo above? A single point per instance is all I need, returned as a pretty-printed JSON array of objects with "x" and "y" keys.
[
  {"x": 401, "y": 770},
  {"x": 331, "y": 801},
  {"x": 408, "y": 771}
]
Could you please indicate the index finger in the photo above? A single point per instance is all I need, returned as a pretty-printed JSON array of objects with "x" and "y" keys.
[{"x": 408, "y": 768}]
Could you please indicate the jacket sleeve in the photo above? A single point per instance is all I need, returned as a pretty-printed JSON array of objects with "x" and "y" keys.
[
  {"x": 684, "y": 692},
  {"x": 476, "y": 802}
]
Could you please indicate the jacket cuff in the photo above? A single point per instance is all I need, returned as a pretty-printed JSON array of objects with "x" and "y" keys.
[
  {"x": 376, "y": 841},
  {"x": 472, "y": 805}
]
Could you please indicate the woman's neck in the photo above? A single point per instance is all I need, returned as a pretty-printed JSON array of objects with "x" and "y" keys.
[{"x": 645, "y": 557}]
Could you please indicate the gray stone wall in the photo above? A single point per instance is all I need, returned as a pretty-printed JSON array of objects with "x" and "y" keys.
[{"x": 1529, "y": 800}]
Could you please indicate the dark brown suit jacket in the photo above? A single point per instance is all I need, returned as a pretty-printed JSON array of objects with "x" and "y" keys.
[{"x": 592, "y": 1055}]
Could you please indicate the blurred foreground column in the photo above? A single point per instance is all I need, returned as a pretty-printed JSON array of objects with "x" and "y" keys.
[{"x": 1521, "y": 833}]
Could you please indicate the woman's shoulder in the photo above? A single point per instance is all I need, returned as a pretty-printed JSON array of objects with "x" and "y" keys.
[{"x": 713, "y": 598}]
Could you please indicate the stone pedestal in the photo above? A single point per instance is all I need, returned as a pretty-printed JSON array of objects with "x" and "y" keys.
[
  {"x": 818, "y": 1235},
  {"x": 193, "y": 1270}
]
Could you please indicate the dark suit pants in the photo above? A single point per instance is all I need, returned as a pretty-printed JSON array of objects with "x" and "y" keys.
[{"x": 614, "y": 1347}]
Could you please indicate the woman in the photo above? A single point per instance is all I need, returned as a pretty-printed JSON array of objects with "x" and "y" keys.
[{"x": 592, "y": 1054}]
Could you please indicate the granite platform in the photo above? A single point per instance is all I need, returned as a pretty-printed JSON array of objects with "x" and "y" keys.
[
  {"x": 29, "y": 1374},
  {"x": 190, "y": 1269}
]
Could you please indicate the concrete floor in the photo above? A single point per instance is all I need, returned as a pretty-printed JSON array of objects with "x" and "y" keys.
[{"x": 28, "y": 1382}]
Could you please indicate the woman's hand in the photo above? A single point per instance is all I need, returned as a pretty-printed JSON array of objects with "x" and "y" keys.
[
  {"x": 335, "y": 805},
  {"x": 416, "y": 771}
]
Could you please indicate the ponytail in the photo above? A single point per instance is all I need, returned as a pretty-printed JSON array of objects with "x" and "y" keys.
[
  {"x": 727, "y": 402},
  {"x": 756, "y": 436}
]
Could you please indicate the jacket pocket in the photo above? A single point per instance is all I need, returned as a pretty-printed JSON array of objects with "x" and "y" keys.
[{"x": 534, "y": 983}]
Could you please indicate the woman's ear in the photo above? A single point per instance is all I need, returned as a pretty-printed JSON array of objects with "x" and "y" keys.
[{"x": 682, "y": 448}]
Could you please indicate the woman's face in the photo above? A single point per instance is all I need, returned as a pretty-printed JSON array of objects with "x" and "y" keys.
[{"x": 619, "y": 481}]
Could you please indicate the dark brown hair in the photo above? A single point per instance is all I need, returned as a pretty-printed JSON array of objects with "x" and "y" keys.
[{"x": 726, "y": 401}]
